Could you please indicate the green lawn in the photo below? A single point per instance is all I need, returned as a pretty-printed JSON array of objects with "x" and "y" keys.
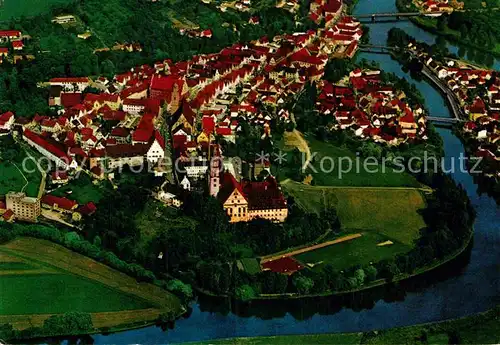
[
  {"x": 13, "y": 181},
  {"x": 17, "y": 8},
  {"x": 15, "y": 266},
  {"x": 251, "y": 265},
  {"x": 59, "y": 293},
  {"x": 390, "y": 212},
  {"x": 83, "y": 190},
  {"x": 61, "y": 280},
  {"x": 358, "y": 251},
  {"x": 341, "y": 175}
]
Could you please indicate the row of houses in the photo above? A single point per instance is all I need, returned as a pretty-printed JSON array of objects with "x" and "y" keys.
[
  {"x": 477, "y": 91},
  {"x": 371, "y": 110}
]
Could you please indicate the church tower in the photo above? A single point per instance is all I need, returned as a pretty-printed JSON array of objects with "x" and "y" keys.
[
  {"x": 175, "y": 99},
  {"x": 215, "y": 171}
]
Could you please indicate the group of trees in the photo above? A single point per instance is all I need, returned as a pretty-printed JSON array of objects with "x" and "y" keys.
[{"x": 71, "y": 323}]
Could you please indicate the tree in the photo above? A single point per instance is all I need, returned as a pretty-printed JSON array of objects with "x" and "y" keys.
[
  {"x": 72, "y": 323},
  {"x": 245, "y": 293},
  {"x": 371, "y": 273},
  {"x": 180, "y": 289},
  {"x": 108, "y": 68},
  {"x": 302, "y": 284},
  {"x": 360, "y": 275}
]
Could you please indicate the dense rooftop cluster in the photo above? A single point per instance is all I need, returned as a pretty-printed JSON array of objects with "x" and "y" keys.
[{"x": 372, "y": 110}]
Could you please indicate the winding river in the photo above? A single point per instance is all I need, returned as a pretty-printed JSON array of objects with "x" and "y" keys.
[{"x": 468, "y": 285}]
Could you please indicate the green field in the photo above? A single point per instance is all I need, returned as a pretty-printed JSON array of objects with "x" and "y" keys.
[
  {"x": 38, "y": 277},
  {"x": 379, "y": 214},
  {"x": 341, "y": 175},
  {"x": 59, "y": 293},
  {"x": 17, "y": 8},
  {"x": 82, "y": 190},
  {"x": 390, "y": 212},
  {"x": 359, "y": 251},
  {"x": 13, "y": 181},
  {"x": 14, "y": 266},
  {"x": 250, "y": 265}
]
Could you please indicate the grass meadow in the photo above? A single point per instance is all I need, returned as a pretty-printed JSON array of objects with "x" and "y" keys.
[
  {"x": 355, "y": 178},
  {"x": 18, "y": 8},
  {"x": 40, "y": 278},
  {"x": 379, "y": 214}
]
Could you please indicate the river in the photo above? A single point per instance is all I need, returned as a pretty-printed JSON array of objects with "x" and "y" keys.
[{"x": 468, "y": 285}]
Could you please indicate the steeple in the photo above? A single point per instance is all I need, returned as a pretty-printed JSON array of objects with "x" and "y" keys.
[{"x": 216, "y": 165}]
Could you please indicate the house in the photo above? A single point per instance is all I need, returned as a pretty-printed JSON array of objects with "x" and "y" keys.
[
  {"x": 64, "y": 19},
  {"x": 250, "y": 200},
  {"x": 50, "y": 149},
  {"x": 73, "y": 84},
  {"x": 8, "y": 216},
  {"x": 169, "y": 199},
  {"x": 6, "y": 121},
  {"x": 157, "y": 149},
  {"x": 24, "y": 207},
  {"x": 59, "y": 204},
  {"x": 134, "y": 106},
  {"x": 59, "y": 177},
  {"x": 186, "y": 184},
  {"x": 17, "y": 45},
  {"x": 10, "y": 35}
]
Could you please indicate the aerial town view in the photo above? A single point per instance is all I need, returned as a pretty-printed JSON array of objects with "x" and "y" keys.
[{"x": 249, "y": 172}]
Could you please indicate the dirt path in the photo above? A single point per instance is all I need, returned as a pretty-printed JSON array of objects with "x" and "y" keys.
[
  {"x": 296, "y": 139},
  {"x": 424, "y": 189},
  {"x": 308, "y": 249}
]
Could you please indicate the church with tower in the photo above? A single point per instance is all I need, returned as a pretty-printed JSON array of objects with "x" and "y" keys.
[{"x": 246, "y": 200}]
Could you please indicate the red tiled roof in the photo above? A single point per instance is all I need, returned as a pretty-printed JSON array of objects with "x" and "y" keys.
[
  {"x": 142, "y": 135},
  {"x": 17, "y": 44},
  {"x": 69, "y": 100},
  {"x": 10, "y": 33},
  {"x": 286, "y": 265},
  {"x": 63, "y": 203},
  {"x": 8, "y": 215},
  {"x": 87, "y": 209},
  {"x": 59, "y": 175},
  {"x": 51, "y": 147}
]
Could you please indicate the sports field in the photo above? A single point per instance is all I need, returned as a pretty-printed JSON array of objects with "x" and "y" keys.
[
  {"x": 389, "y": 211},
  {"x": 379, "y": 214},
  {"x": 359, "y": 251},
  {"x": 17, "y": 8},
  {"x": 40, "y": 278}
]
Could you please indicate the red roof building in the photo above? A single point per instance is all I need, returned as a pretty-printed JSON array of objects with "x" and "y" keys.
[
  {"x": 56, "y": 202},
  {"x": 285, "y": 265},
  {"x": 17, "y": 45}
]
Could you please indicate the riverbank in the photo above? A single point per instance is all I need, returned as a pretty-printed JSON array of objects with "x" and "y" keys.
[
  {"x": 482, "y": 328},
  {"x": 430, "y": 25},
  {"x": 377, "y": 283}
]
